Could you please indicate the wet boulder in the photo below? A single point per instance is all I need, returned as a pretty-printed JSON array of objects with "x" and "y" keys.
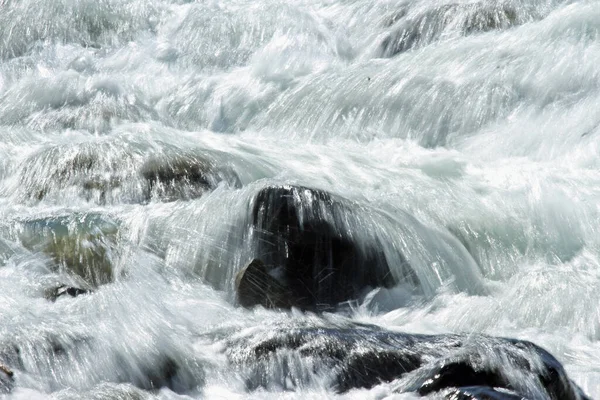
[
  {"x": 81, "y": 246},
  {"x": 109, "y": 172},
  {"x": 184, "y": 177},
  {"x": 95, "y": 173},
  {"x": 255, "y": 285},
  {"x": 84, "y": 255},
  {"x": 517, "y": 366},
  {"x": 480, "y": 393},
  {"x": 6, "y": 379},
  {"x": 315, "y": 245},
  {"x": 412, "y": 30},
  {"x": 374, "y": 366},
  {"x": 162, "y": 372},
  {"x": 349, "y": 356}
]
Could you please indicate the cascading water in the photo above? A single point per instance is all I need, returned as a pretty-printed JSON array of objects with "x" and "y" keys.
[{"x": 451, "y": 146}]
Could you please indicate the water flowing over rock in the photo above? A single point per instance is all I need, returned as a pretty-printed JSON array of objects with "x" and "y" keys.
[
  {"x": 184, "y": 177},
  {"x": 300, "y": 235},
  {"x": 416, "y": 29},
  {"x": 6, "y": 379},
  {"x": 356, "y": 356},
  {"x": 63, "y": 290},
  {"x": 95, "y": 173},
  {"x": 254, "y": 285},
  {"x": 82, "y": 248},
  {"x": 308, "y": 199},
  {"x": 152, "y": 371}
]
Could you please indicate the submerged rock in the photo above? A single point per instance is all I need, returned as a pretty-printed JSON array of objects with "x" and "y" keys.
[
  {"x": 164, "y": 374},
  {"x": 84, "y": 255},
  {"x": 462, "y": 19},
  {"x": 58, "y": 359},
  {"x": 110, "y": 172},
  {"x": 6, "y": 379},
  {"x": 185, "y": 177},
  {"x": 81, "y": 246},
  {"x": 362, "y": 356},
  {"x": 84, "y": 168},
  {"x": 306, "y": 238},
  {"x": 64, "y": 290}
]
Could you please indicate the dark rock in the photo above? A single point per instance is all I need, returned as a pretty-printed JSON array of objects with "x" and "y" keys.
[
  {"x": 6, "y": 379},
  {"x": 63, "y": 290},
  {"x": 304, "y": 235},
  {"x": 185, "y": 177},
  {"x": 498, "y": 363},
  {"x": 162, "y": 374},
  {"x": 360, "y": 356},
  {"x": 10, "y": 355},
  {"x": 480, "y": 393},
  {"x": 254, "y": 285},
  {"x": 374, "y": 367},
  {"x": 460, "y": 373},
  {"x": 9, "y": 359},
  {"x": 161, "y": 370}
]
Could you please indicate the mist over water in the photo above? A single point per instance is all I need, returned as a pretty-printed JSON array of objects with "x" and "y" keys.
[{"x": 464, "y": 135}]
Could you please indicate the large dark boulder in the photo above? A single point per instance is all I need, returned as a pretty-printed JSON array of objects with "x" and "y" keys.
[
  {"x": 313, "y": 244},
  {"x": 361, "y": 356}
]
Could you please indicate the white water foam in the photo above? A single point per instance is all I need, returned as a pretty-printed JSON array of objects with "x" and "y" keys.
[{"x": 474, "y": 152}]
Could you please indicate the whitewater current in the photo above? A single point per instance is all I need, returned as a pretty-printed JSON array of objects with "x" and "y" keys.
[{"x": 466, "y": 135}]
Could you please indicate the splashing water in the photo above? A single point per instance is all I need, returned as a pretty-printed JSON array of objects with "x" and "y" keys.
[{"x": 461, "y": 137}]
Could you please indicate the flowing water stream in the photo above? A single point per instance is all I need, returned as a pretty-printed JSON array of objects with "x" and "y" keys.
[{"x": 464, "y": 135}]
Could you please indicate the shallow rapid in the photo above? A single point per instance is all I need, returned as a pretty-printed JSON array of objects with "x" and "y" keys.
[{"x": 452, "y": 147}]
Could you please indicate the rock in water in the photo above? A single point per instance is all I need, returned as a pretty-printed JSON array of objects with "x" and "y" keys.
[
  {"x": 82, "y": 167},
  {"x": 171, "y": 368},
  {"x": 323, "y": 258},
  {"x": 254, "y": 285},
  {"x": 82, "y": 246},
  {"x": 361, "y": 356},
  {"x": 185, "y": 177},
  {"x": 480, "y": 393},
  {"x": 111, "y": 173},
  {"x": 6, "y": 379},
  {"x": 84, "y": 255},
  {"x": 412, "y": 31},
  {"x": 64, "y": 290}
]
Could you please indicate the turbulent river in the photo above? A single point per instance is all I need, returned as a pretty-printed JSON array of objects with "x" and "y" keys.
[{"x": 452, "y": 146}]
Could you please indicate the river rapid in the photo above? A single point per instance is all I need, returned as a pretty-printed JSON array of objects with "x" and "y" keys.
[{"x": 465, "y": 136}]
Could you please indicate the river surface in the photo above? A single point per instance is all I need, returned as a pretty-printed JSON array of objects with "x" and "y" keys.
[{"x": 475, "y": 122}]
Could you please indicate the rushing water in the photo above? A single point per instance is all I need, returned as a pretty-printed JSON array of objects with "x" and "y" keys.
[{"x": 465, "y": 133}]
